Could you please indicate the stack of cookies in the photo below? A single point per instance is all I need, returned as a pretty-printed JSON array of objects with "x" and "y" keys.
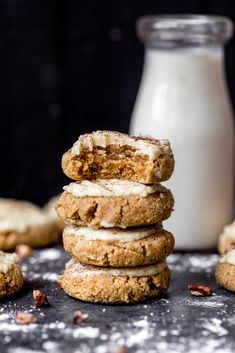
[{"x": 113, "y": 213}]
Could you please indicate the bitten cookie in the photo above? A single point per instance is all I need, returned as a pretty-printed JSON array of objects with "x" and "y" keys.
[
  {"x": 112, "y": 285},
  {"x": 227, "y": 238},
  {"x": 49, "y": 209},
  {"x": 22, "y": 222},
  {"x": 110, "y": 154},
  {"x": 116, "y": 247},
  {"x": 225, "y": 271},
  {"x": 11, "y": 278},
  {"x": 114, "y": 203}
]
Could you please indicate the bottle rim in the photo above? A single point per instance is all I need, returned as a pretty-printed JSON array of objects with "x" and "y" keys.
[{"x": 185, "y": 27}]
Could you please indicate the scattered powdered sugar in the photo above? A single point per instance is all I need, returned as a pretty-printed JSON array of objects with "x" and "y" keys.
[
  {"x": 176, "y": 323},
  {"x": 50, "y": 276},
  {"x": 213, "y": 325},
  {"x": 49, "y": 254},
  {"x": 22, "y": 350},
  {"x": 44, "y": 265},
  {"x": 145, "y": 332},
  {"x": 194, "y": 262},
  {"x": 4, "y": 317}
]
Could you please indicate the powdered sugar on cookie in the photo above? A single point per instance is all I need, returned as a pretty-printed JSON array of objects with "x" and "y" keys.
[
  {"x": 77, "y": 269},
  {"x": 19, "y": 215},
  {"x": 227, "y": 238},
  {"x": 143, "y": 145},
  {"x": 110, "y": 188},
  {"x": 112, "y": 234},
  {"x": 228, "y": 258}
]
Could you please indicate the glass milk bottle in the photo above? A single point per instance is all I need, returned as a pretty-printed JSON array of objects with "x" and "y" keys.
[{"x": 183, "y": 97}]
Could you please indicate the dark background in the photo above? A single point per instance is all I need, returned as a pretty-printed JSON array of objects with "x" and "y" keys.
[{"x": 68, "y": 67}]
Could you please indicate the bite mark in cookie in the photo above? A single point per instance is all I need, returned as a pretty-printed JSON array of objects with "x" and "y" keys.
[{"x": 109, "y": 154}]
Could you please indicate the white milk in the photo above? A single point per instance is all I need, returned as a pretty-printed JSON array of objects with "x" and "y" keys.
[{"x": 183, "y": 97}]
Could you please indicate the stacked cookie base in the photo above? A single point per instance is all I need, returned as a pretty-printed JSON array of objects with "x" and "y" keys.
[{"x": 115, "y": 238}]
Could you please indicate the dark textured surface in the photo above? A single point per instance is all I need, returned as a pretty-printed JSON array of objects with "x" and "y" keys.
[{"x": 175, "y": 323}]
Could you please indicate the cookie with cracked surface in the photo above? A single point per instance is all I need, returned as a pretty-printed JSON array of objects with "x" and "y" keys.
[
  {"x": 117, "y": 247},
  {"x": 22, "y": 222},
  {"x": 11, "y": 278},
  {"x": 114, "y": 285},
  {"x": 227, "y": 238},
  {"x": 110, "y": 154},
  {"x": 114, "y": 203},
  {"x": 225, "y": 271}
]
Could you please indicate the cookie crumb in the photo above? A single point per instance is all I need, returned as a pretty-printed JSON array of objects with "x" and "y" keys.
[
  {"x": 24, "y": 251},
  {"x": 79, "y": 317},
  {"x": 23, "y": 318},
  {"x": 119, "y": 349}
]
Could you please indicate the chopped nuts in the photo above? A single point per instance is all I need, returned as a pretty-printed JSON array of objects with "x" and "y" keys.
[
  {"x": 119, "y": 349},
  {"x": 199, "y": 290},
  {"x": 24, "y": 250},
  {"x": 23, "y": 318},
  {"x": 40, "y": 298},
  {"x": 79, "y": 317}
]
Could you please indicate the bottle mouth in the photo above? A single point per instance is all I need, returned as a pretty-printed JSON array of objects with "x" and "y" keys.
[{"x": 195, "y": 29}]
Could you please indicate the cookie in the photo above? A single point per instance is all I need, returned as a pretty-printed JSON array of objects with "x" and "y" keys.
[
  {"x": 50, "y": 212},
  {"x": 117, "y": 247},
  {"x": 112, "y": 285},
  {"x": 227, "y": 238},
  {"x": 225, "y": 271},
  {"x": 22, "y": 222},
  {"x": 11, "y": 278},
  {"x": 114, "y": 203},
  {"x": 110, "y": 155}
]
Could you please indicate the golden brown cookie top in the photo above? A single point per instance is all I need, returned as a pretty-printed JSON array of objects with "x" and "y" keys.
[{"x": 145, "y": 145}]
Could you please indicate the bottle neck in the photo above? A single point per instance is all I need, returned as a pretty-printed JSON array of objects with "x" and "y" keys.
[{"x": 188, "y": 60}]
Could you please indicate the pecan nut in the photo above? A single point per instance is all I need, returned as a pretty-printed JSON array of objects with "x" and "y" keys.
[
  {"x": 40, "y": 299},
  {"x": 24, "y": 250},
  {"x": 199, "y": 290},
  {"x": 24, "y": 318},
  {"x": 79, "y": 317}
]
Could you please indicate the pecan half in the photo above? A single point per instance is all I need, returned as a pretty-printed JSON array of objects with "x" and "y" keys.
[
  {"x": 199, "y": 290},
  {"x": 40, "y": 299},
  {"x": 79, "y": 317},
  {"x": 24, "y": 318},
  {"x": 119, "y": 349},
  {"x": 24, "y": 250}
]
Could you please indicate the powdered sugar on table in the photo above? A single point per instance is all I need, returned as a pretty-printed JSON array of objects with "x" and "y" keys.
[{"x": 175, "y": 323}]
